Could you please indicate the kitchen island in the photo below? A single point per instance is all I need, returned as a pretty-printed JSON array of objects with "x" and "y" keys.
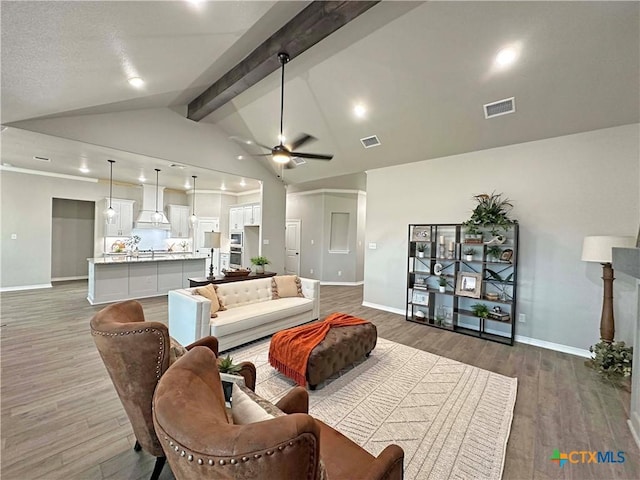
[{"x": 123, "y": 277}]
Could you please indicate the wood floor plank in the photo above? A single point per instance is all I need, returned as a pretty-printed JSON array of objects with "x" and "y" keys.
[{"x": 61, "y": 416}]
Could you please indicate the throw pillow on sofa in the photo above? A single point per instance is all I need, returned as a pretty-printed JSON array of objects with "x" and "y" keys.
[
  {"x": 247, "y": 407},
  {"x": 209, "y": 292},
  {"x": 284, "y": 286}
]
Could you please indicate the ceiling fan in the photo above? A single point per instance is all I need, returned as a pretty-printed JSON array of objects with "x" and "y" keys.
[{"x": 281, "y": 153}]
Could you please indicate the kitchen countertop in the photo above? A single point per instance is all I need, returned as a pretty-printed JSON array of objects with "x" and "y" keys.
[{"x": 142, "y": 258}]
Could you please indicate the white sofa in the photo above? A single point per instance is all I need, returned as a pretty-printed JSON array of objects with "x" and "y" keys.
[{"x": 250, "y": 313}]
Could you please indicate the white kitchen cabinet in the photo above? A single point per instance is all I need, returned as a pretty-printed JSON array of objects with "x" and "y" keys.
[
  {"x": 247, "y": 215},
  {"x": 257, "y": 215},
  {"x": 236, "y": 218},
  {"x": 123, "y": 220},
  {"x": 179, "y": 218}
]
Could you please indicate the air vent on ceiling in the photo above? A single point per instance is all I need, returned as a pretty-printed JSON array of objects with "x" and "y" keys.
[
  {"x": 501, "y": 107},
  {"x": 298, "y": 161},
  {"x": 42, "y": 159},
  {"x": 371, "y": 141}
]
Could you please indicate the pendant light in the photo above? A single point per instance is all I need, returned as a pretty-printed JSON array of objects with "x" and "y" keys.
[
  {"x": 110, "y": 213},
  {"x": 156, "y": 218},
  {"x": 193, "y": 219}
]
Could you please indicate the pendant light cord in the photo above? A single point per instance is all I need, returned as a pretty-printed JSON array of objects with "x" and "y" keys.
[
  {"x": 111, "y": 162},
  {"x": 157, "y": 172}
]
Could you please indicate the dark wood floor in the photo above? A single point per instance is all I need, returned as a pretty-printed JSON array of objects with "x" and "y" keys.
[{"x": 61, "y": 417}]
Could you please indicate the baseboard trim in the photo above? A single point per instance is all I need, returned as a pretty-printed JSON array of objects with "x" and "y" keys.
[
  {"x": 343, "y": 284},
  {"x": 67, "y": 279},
  {"x": 580, "y": 352},
  {"x": 25, "y": 287},
  {"x": 518, "y": 338},
  {"x": 384, "y": 308}
]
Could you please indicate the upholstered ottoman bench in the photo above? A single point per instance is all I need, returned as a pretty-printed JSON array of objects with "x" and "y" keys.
[{"x": 336, "y": 342}]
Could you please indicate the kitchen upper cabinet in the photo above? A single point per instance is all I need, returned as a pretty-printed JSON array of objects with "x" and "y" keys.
[
  {"x": 123, "y": 220},
  {"x": 236, "y": 218},
  {"x": 251, "y": 214},
  {"x": 179, "y": 218}
]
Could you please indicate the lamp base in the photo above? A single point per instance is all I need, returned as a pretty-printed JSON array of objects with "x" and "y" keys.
[
  {"x": 210, "y": 277},
  {"x": 607, "y": 323}
]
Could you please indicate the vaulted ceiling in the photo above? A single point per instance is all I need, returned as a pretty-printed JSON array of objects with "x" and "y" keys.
[{"x": 422, "y": 69}]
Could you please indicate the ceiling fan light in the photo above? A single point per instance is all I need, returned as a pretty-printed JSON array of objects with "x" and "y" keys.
[{"x": 281, "y": 157}]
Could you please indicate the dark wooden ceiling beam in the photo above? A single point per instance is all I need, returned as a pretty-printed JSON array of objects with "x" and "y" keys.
[{"x": 317, "y": 21}]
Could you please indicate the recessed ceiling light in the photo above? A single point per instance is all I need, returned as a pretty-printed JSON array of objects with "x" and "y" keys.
[
  {"x": 506, "y": 56},
  {"x": 187, "y": 185},
  {"x": 177, "y": 165},
  {"x": 243, "y": 183},
  {"x": 84, "y": 169},
  {"x": 141, "y": 178},
  {"x": 223, "y": 187},
  {"x": 360, "y": 110},
  {"x": 136, "y": 82},
  {"x": 239, "y": 157}
]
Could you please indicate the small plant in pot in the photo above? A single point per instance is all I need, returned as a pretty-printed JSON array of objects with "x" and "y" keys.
[
  {"x": 494, "y": 252},
  {"x": 480, "y": 310},
  {"x": 260, "y": 262},
  {"x": 420, "y": 247},
  {"x": 469, "y": 253},
  {"x": 226, "y": 365},
  {"x": 442, "y": 283}
]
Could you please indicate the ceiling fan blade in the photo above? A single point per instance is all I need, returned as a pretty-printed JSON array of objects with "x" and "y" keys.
[
  {"x": 313, "y": 156},
  {"x": 301, "y": 140},
  {"x": 246, "y": 141}
]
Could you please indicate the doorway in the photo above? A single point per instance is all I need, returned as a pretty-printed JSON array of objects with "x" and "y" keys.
[
  {"x": 292, "y": 247},
  {"x": 72, "y": 238}
]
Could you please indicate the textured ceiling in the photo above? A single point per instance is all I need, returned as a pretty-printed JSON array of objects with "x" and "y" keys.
[{"x": 424, "y": 70}]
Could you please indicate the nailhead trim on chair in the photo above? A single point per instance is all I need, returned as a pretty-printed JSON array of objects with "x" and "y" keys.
[
  {"x": 146, "y": 330},
  {"x": 233, "y": 461}
]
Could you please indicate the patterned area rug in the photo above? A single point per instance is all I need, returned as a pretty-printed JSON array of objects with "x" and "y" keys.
[{"x": 451, "y": 419}]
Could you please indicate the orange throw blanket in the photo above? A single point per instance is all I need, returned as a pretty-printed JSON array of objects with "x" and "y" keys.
[{"x": 290, "y": 349}]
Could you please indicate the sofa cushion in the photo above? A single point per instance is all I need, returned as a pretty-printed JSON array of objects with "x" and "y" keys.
[
  {"x": 247, "y": 407},
  {"x": 210, "y": 293},
  {"x": 285, "y": 286},
  {"x": 244, "y": 318},
  {"x": 237, "y": 294}
]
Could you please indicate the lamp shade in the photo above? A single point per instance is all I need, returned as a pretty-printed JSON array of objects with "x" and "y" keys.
[
  {"x": 598, "y": 248},
  {"x": 212, "y": 239}
]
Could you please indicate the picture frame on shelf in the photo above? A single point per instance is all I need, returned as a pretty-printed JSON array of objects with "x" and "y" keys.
[
  {"x": 507, "y": 255},
  {"x": 421, "y": 234},
  {"x": 420, "y": 298},
  {"x": 469, "y": 284}
]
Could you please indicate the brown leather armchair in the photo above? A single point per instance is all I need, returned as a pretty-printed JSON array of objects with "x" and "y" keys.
[
  {"x": 136, "y": 355},
  {"x": 200, "y": 443}
]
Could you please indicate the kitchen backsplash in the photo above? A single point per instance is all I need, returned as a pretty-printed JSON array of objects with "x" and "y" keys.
[{"x": 150, "y": 239}]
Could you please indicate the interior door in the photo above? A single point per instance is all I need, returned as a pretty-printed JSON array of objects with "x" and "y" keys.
[
  {"x": 292, "y": 248},
  {"x": 207, "y": 224}
]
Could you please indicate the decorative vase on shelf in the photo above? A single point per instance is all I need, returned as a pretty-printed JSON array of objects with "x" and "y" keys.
[
  {"x": 469, "y": 258},
  {"x": 442, "y": 289},
  {"x": 259, "y": 269}
]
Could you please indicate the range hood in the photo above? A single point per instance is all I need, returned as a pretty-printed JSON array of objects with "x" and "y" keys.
[{"x": 145, "y": 217}]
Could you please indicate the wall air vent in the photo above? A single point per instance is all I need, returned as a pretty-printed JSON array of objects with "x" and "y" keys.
[
  {"x": 501, "y": 107},
  {"x": 369, "y": 142},
  {"x": 42, "y": 159}
]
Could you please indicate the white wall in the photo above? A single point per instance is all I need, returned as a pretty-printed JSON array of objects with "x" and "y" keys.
[{"x": 563, "y": 189}]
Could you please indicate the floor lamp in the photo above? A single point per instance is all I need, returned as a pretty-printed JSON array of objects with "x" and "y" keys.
[
  {"x": 211, "y": 240},
  {"x": 598, "y": 249}
]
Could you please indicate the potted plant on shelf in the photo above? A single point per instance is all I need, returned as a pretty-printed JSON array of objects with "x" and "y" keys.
[
  {"x": 260, "y": 262},
  {"x": 442, "y": 282},
  {"x": 491, "y": 213},
  {"x": 494, "y": 252},
  {"x": 480, "y": 310},
  {"x": 469, "y": 253},
  {"x": 420, "y": 247}
]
